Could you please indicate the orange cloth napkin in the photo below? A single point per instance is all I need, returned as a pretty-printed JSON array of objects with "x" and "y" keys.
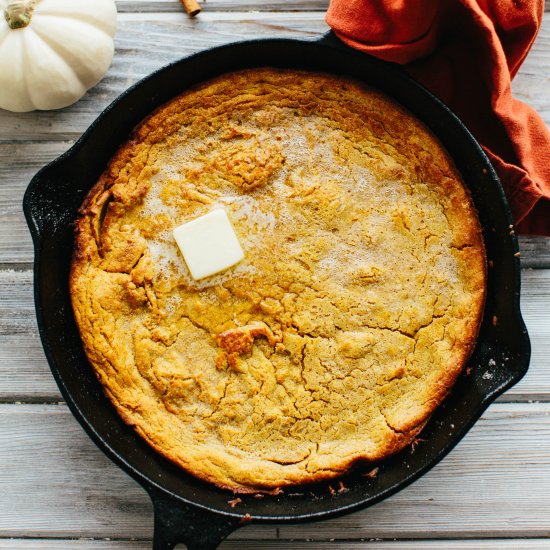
[{"x": 467, "y": 52}]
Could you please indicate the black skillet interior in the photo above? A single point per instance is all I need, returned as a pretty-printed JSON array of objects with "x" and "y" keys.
[{"x": 185, "y": 508}]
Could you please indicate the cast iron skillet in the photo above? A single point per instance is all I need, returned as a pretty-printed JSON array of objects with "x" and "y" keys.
[{"x": 187, "y": 510}]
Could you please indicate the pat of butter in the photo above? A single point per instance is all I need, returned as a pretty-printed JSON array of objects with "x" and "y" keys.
[{"x": 208, "y": 244}]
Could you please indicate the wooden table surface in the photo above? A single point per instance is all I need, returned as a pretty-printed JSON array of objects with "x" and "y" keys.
[{"x": 57, "y": 490}]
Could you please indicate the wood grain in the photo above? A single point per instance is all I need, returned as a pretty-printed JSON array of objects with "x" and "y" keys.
[
  {"x": 535, "y": 252},
  {"x": 491, "y": 485},
  {"x": 162, "y": 6}
]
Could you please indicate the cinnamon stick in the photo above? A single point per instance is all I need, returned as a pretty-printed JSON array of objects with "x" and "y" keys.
[{"x": 191, "y": 7}]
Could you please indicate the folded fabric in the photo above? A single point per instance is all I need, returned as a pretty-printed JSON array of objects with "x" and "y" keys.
[{"x": 467, "y": 52}]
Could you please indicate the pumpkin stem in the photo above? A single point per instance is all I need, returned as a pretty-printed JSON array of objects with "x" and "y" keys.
[{"x": 18, "y": 13}]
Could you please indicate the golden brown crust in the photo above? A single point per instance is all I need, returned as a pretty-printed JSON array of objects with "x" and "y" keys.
[{"x": 356, "y": 306}]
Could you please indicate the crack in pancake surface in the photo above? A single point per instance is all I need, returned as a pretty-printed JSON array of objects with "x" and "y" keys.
[{"x": 355, "y": 308}]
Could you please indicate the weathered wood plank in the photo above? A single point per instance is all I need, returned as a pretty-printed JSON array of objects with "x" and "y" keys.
[
  {"x": 535, "y": 252},
  {"x": 145, "y": 42},
  {"x": 535, "y": 306},
  {"x": 494, "y": 484},
  {"x": 209, "y": 6},
  {"x": 24, "y": 372},
  {"x": 25, "y": 376},
  {"x": 83, "y": 544}
]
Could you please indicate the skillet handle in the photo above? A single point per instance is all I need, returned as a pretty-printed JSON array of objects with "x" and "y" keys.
[{"x": 179, "y": 523}]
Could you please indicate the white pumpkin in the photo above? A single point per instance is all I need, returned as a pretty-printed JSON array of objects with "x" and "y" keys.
[{"x": 52, "y": 51}]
